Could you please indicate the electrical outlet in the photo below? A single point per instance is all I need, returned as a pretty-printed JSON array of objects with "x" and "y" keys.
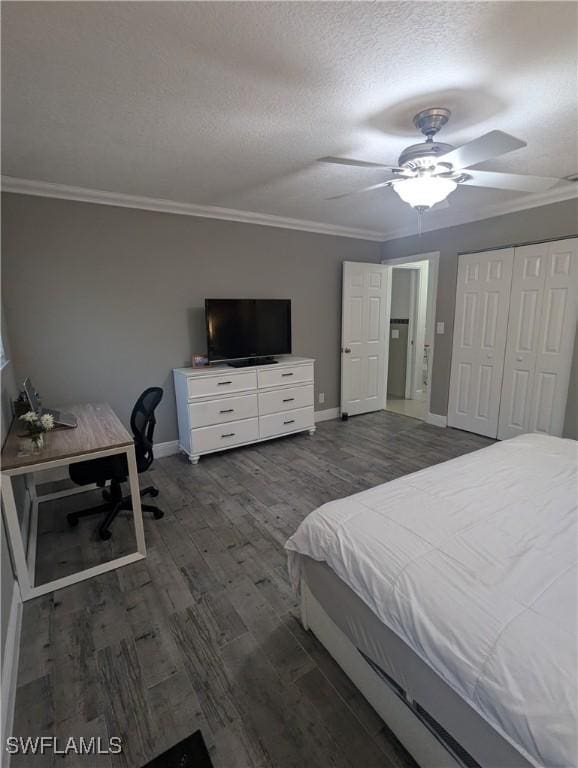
[
  {"x": 440, "y": 328},
  {"x": 322, "y": 397}
]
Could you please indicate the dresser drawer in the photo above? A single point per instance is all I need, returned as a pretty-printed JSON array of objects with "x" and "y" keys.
[
  {"x": 275, "y": 376},
  {"x": 209, "y": 412},
  {"x": 224, "y": 435},
  {"x": 285, "y": 399},
  {"x": 280, "y": 423},
  {"x": 222, "y": 384}
]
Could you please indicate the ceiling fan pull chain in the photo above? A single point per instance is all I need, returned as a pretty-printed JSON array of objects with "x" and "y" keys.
[{"x": 420, "y": 210}]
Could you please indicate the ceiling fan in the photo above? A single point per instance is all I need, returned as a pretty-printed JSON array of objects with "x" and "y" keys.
[{"x": 430, "y": 171}]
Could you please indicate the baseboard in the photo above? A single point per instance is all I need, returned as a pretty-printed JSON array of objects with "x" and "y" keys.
[
  {"x": 166, "y": 449},
  {"x": 436, "y": 419},
  {"x": 10, "y": 667},
  {"x": 172, "y": 446},
  {"x": 51, "y": 475},
  {"x": 327, "y": 415}
]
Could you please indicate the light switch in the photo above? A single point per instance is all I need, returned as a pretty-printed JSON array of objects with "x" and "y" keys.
[
  {"x": 440, "y": 328},
  {"x": 395, "y": 333}
]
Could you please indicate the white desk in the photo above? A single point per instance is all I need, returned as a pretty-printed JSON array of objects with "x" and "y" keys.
[{"x": 99, "y": 433}]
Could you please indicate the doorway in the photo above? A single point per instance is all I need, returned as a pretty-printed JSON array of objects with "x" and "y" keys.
[
  {"x": 413, "y": 287},
  {"x": 367, "y": 335}
]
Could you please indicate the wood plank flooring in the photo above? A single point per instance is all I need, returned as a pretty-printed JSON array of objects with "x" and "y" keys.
[{"x": 204, "y": 633}]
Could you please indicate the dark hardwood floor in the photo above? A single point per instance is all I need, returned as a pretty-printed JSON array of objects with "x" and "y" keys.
[{"x": 204, "y": 633}]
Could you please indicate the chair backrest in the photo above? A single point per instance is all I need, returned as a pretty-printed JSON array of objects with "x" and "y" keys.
[{"x": 142, "y": 423}]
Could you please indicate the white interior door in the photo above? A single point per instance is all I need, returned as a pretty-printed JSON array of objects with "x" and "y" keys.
[
  {"x": 412, "y": 331},
  {"x": 523, "y": 334},
  {"x": 480, "y": 327},
  {"x": 364, "y": 337},
  {"x": 421, "y": 293},
  {"x": 540, "y": 338}
]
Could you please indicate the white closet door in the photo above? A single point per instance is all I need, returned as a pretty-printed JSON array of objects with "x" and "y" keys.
[
  {"x": 541, "y": 339},
  {"x": 523, "y": 338},
  {"x": 480, "y": 327},
  {"x": 556, "y": 343},
  {"x": 364, "y": 337}
]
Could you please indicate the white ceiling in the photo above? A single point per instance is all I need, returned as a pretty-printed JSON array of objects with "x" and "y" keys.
[{"x": 229, "y": 104}]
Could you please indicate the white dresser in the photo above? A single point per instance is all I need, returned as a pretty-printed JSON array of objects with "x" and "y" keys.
[{"x": 221, "y": 407}]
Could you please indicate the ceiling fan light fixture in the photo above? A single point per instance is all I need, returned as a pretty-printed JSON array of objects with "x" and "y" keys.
[{"x": 424, "y": 191}]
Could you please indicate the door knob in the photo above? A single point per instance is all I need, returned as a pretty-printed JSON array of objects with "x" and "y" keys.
[
  {"x": 519, "y": 359},
  {"x": 347, "y": 350}
]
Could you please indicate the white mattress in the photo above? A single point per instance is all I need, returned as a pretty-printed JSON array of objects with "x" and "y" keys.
[{"x": 473, "y": 563}]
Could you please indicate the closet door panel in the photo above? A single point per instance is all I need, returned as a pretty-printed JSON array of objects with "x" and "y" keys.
[
  {"x": 541, "y": 334},
  {"x": 556, "y": 338},
  {"x": 482, "y": 302},
  {"x": 523, "y": 336}
]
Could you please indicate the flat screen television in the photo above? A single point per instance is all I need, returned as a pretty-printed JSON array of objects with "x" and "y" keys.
[{"x": 247, "y": 330}]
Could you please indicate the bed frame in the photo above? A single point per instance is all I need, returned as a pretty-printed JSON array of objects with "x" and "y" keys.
[{"x": 419, "y": 740}]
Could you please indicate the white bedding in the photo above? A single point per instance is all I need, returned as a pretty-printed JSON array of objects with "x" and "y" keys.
[{"x": 473, "y": 563}]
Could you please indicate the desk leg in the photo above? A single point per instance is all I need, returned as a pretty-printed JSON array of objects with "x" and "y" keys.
[
  {"x": 30, "y": 482},
  {"x": 135, "y": 501},
  {"x": 15, "y": 537},
  {"x": 32, "y": 534}
]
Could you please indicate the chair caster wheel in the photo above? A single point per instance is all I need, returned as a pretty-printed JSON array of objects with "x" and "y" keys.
[
  {"x": 72, "y": 521},
  {"x": 105, "y": 535},
  {"x": 157, "y": 515},
  {"x": 154, "y": 492}
]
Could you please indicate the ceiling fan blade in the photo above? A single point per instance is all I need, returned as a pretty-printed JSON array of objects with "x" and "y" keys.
[
  {"x": 512, "y": 181},
  {"x": 364, "y": 189},
  {"x": 349, "y": 161},
  {"x": 486, "y": 147}
]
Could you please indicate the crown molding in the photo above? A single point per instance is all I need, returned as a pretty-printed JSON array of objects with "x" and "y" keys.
[
  {"x": 81, "y": 194},
  {"x": 522, "y": 203},
  {"x": 430, "y": 222}
]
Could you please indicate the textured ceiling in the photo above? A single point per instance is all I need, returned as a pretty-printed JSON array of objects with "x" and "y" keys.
[{"x": 230, "y": 104}]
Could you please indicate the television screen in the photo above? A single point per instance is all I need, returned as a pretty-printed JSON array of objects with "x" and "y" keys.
[{"x": 243, "y": 328}]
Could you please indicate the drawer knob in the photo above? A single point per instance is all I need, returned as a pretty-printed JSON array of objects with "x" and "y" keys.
[
  {"x": 228, "y": 434},
  {"x": 288, "y": 399},
  {"x": 220, "y": 383},
  {"x": 291, "y": 421},
  {"x": 287, "y": 374},
  {"x": 227, "y": 410}
]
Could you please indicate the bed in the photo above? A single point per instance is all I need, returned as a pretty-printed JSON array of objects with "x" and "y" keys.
[{"x": 450, "y": 598}]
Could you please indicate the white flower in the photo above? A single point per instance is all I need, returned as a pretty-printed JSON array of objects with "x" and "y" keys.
[
  {"x": 47, "y": 421},
  {"x": 30, "y": 416}
]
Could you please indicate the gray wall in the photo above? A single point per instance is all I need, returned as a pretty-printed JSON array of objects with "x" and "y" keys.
[
  {"x": 400, "y": 293},
  {"x": 546, "y": 223},
  {"x": 7, "y": 395},
  {"x": 104, "y": 301}
]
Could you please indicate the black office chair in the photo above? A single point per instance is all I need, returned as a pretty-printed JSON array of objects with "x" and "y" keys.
[{"x": 115, "y": 468}]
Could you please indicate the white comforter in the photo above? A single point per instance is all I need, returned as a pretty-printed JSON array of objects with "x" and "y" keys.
[{"x": 473, "y": 563}]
